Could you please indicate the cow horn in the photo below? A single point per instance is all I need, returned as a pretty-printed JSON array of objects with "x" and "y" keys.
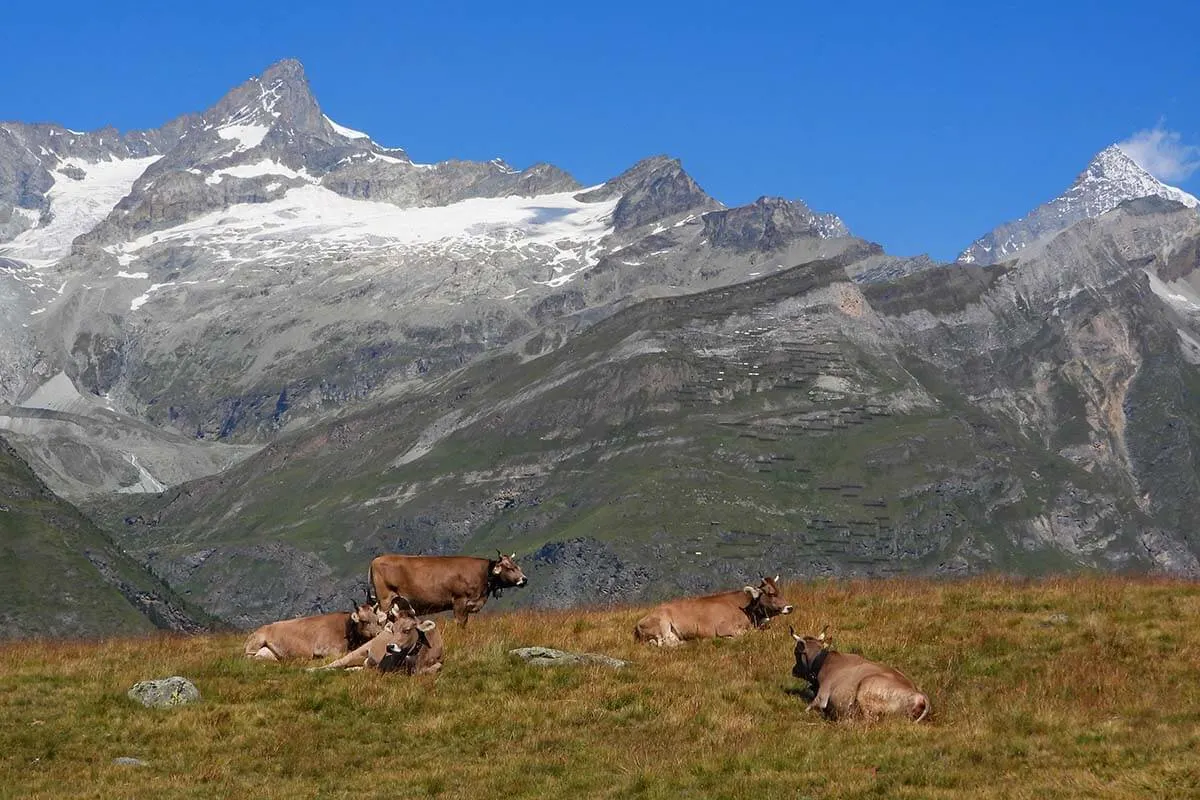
[
  {"x": 776, "y": 579},
  {"x": 792, "y": 630},
  {"x": 824, "y": 634}
]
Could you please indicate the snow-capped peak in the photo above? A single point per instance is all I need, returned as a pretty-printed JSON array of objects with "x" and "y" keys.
[
  {"x": 280, "y": 97},
  {"x": 1111, "y": 178},
  {"x": 1115, "y": 165}
]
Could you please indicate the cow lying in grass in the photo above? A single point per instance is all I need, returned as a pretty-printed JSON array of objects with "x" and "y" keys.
[
  {"x": 846, "y": 685},
  {"x": 406, "y": 645},
  {"x": 725, "y": 614},
  {"x": 321, "y": 636}
]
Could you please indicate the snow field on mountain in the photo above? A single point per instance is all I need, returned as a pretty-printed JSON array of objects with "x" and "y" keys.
[
  {"x": 314, "y": 214},
  {"x": 247, "y": 136},
  {"x": 349, "y": 133},
  {"x": 76, "y": 206},
  {"x": 264, "y": 167}
]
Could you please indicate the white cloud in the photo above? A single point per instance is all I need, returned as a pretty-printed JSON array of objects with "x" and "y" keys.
[{"x": 1162, "y": 153}]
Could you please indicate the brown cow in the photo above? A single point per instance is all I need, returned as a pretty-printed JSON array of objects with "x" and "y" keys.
[
  {"x": 408, "y": 646},
  {"x": 316, "y": 637},
  {"x": 443, "y": 583},
  {"x": 847, "y": 685},
  {"x": 724, "y": 614}
]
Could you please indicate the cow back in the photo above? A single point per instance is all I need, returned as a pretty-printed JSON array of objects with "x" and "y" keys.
[
  {"x": 430, "y": 583},
  {"x": 721, "y": 614},
  {"x": 308, "y": 637},
  {"x": 843, "y": 675}
]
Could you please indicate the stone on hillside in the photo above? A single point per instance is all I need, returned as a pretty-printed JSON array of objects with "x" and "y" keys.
[
  {"x": 549, "y": 657},
  {"x": 165, "y": 692},
  {"x": 126, "y": 761}
]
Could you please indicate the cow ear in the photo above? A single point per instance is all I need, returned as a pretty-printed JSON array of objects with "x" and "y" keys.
[
  {"x": 354, "y": 617},
  {"x": 496, "y": 570},
  {"x": 426, "y": 625},
  {"x": 754, "y": 593}
]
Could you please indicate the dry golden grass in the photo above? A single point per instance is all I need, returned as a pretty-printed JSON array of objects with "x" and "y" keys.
[{"x": 1105, "y": 704}]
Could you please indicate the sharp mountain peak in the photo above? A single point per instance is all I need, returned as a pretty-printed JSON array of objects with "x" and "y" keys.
[{"x": 1111, "y": 177}]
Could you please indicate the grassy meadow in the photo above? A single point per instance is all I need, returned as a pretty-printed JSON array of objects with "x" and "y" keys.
[{"x": 1065, "y": 688}]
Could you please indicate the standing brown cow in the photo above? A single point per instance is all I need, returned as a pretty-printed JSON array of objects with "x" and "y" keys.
[
  {"x": 847, "y": 685},
  {"x": 316, "y": 637},
  {"x": 461, "y": 584},
  {"x": 724, "y": 614}
]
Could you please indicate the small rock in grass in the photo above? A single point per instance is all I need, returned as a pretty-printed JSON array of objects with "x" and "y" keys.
[
  {"x": 1056, "y": 619},
  {"x": 126, "y": 761},
  {"x": 164, "y": 692},
  {"x": 549, "y": 657}
]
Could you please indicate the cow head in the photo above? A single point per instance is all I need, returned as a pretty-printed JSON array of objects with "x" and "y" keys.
[
  {"x": 408, "y": 638},
  {"x": 505, "y": 573},
  {"x": 401, "y": 607},
  {"x": 807, "y": 652},
  {"x": 367, "y": 621},
  {"x": 766, "y": 600}
]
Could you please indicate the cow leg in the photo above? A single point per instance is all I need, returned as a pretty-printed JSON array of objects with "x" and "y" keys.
[
  {"x": 254, "y": 645},
  {"x": 355, "y": 658},
  {"x": 670, "y": 636},
  {"x": 648, "y": 629},
  {"x": 259, "y": 648},
  {"x": 461, "y": 612},
  {"x": 820, "y": 702}
]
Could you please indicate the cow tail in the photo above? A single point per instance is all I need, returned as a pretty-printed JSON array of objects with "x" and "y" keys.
[{"x": 920, "y": 708}]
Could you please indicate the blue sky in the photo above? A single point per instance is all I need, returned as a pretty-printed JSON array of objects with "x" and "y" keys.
[{"x": 923, "y": 124}]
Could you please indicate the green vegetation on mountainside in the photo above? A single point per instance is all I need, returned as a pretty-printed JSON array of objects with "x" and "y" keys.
[
  {"x": 679, "y": 444},
  {"x": 60, "y": 576}
]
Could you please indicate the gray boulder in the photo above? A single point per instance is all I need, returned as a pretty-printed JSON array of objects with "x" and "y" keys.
[
  {"x": 549, "y": 657},
  {"x": 165, "y": 692}
]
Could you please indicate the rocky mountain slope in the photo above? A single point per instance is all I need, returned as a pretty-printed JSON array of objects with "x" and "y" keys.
[
  {"x": 1110, "y": 179},
  {"x": 256, "y": 266},
  {"x": 1029, "y": 418},
  {"x": 60, "y": 576},
  {"x": 276, "y": 348}
]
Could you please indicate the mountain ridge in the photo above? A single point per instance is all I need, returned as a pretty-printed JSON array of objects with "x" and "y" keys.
[
  {"x": 283, "y": 349},
  {"x": 1110, "y": 178}
]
